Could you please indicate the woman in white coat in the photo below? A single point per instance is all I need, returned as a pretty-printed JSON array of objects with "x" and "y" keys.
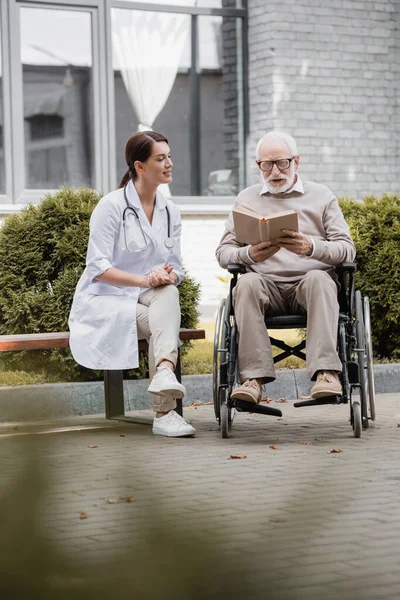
[{"x": 128, "y": 289}]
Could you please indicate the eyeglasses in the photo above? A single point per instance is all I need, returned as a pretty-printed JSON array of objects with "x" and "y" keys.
[{"x": 268, "y": 165}]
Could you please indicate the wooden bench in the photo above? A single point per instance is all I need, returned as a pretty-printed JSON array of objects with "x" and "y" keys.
[{"x": 113, "y": 380}]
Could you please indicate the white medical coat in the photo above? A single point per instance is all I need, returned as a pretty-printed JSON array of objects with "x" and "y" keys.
[{"x": 102, "y": 322}]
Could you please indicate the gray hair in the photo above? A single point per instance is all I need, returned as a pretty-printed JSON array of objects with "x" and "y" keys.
[{"x": 278, "y": 135}]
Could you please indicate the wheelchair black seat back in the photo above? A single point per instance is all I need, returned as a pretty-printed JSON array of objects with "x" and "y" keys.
[{"x": 354, "y": 348}]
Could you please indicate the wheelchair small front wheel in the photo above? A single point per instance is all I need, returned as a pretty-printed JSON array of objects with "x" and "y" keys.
[
  {"x": 224, "y": 417},
  {"x": 356, "y": 419}
]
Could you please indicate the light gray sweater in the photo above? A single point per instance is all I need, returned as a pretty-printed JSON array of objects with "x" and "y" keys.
[{"x": 320, "y": 218}]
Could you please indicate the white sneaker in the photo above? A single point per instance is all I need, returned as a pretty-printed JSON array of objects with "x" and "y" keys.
[
  {"x": 164, "y": 383},
  {"x": 172, "y": 425}
]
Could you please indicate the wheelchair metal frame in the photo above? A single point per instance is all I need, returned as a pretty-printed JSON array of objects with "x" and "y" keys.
[{"x": 354, "y": 349}]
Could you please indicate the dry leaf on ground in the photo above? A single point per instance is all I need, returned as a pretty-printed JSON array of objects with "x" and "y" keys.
[
  {"x": 128, "y": 498},
  {"x": 83, "y": 515},
  {"x": 208, "y": 403},
  {"x": 281, "y": 419},
  {"x": 121, "y": 435},
  {"x": 92, "y": 446},
  {"x": 196, "y": 404},
  {"x": 112, "y": 500},
  {"x": 398, "y": 424},
  {"x": 277, "y": 521},
  {"x": 273, "y": 447},
  {"x": 265, "y": 400},
  {"x": 305, "y": 443},
  {"x": 335, "y": 451},
  {"x": 281, "y": 400},
  {"x": 236, "y": 456}
]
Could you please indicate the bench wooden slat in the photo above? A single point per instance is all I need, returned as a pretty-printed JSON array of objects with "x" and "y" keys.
[{"x": 42, "y": 341}]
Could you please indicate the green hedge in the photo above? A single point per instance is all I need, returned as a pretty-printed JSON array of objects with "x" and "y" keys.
[
  {"x": 42, "y": 256},
  {"x": 375, "y": 228}
]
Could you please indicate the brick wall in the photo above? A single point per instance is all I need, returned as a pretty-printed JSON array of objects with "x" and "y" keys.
[{"x": 329, "y": 74}]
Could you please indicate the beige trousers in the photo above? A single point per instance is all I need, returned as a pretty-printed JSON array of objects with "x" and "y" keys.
[
  {"x": 158, "y": 318},
  {"x": 316, "y": 293}
]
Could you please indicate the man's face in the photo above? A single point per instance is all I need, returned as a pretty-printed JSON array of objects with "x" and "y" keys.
[{"x": 278, "y": 180}]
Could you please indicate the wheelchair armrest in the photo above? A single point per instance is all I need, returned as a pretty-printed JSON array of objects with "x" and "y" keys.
[
  {"x": 347, "y": 267},
  {"x": 345, "y": 273},
  {"x": 236, "y": 269}
]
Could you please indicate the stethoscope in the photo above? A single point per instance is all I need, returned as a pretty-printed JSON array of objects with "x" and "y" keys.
[{"x": 169, "y": 242}]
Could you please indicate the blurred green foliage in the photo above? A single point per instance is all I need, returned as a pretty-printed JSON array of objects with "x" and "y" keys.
[
  {"x": 42, "y": 256},
  {"x": 375, "y": 228}
]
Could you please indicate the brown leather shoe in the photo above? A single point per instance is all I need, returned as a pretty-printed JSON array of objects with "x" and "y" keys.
[
  {"x": 327, "y": 384},
  {"x": 250, "y": 390}
]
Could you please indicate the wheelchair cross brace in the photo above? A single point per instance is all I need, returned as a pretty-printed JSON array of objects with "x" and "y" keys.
[{"x": 288, "y": 350}]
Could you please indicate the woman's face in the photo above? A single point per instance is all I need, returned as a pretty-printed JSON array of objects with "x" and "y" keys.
[{"x": 158, "y": 167}]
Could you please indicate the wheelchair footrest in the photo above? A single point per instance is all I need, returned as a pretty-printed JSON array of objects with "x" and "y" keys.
[
  {"x": 318, "y": 401},
  {"x": 262, "y": 409}
]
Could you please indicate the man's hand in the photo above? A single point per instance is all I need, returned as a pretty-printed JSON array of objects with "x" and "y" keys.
[
  {"x": 295, "y": 242},
  {"x": 263, "y": 251}
]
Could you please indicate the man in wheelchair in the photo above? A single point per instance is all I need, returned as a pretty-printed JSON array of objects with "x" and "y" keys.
[{"x": 294, "y": 273}]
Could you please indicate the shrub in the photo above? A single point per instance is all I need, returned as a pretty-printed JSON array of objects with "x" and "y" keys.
[
  {"x": 375, "y": 228},
  {"x": 42, "y": 256}
]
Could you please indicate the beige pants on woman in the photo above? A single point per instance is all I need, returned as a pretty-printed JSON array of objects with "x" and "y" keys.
[
  {"x": 158, "y": 318},
  {"x": 316, "y": 293}
]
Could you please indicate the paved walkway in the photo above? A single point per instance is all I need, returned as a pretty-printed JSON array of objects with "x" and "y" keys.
[{"x": 289, "y": 515}]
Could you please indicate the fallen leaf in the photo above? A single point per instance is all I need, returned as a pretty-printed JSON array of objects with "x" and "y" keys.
[
  {"x": 281, "y": 419},
  {"x": 277, "y": 521},
  {"x": 304, "y": 397},
  {"x": 273, "y": 447},
  {"x": 235, "y": 456},
  {"x": 398, "y": 425},
  {"x": 281, "y": 400},
  {"x": 316, "y": 439},
  {"x": 92, "y": 446},
  {"x": 305, "y": 443},
  {"x": 128, "y": 498},
  {"x": 208, "y": 403},
  {"x": 196, "y": 404},
  {"x": 335, "y": 451},
  {"x": 121, "y": 435},
  {"x": 112, "y": 500},
  {"x": 83, "y": 515},
  {"x": 265, "y": 400}
]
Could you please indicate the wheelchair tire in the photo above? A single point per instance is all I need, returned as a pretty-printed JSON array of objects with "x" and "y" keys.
[
  {"x": 370, "y": 360},
  {"x": 356, "y": 419},
  {"x": 224, "y": 417},
  {"x": 218, "y": 335},
  {"x": 361, "y": 359}
]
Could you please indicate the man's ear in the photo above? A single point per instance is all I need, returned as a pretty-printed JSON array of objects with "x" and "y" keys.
[{"x": 296, "y": 162}]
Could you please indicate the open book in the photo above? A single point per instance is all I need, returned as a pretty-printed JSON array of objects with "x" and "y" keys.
[{"x": 253, "y": 228}]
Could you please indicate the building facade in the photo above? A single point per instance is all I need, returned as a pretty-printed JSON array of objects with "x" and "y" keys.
[{"x": 78, "y": 77}]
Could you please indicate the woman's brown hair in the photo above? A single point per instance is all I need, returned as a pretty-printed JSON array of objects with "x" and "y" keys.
[{"x": 139, "y": 147}]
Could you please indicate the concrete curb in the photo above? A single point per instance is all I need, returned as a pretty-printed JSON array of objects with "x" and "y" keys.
[{"x": 38, "y": 402}]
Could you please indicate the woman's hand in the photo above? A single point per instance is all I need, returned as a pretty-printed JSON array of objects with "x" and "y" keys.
[{"x": 161, "y": 276}]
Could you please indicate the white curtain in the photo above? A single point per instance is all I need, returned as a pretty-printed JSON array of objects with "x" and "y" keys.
[{"x": 148, "y": 48}]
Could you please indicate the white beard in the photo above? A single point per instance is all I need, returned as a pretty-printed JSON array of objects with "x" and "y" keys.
[{"x": 287, "y": 182}]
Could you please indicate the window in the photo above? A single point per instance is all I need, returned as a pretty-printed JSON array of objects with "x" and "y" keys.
[
  {"x": 57, "y": 93},
  {"x": 181, "y": 75},
  {"x": 2, "y": 168}
]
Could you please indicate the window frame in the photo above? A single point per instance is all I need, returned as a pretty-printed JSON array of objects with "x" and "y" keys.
[{"x": 104, "y": 144}]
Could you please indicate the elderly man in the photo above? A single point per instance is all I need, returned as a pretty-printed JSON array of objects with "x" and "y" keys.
[{"x": 291, "y": 274}]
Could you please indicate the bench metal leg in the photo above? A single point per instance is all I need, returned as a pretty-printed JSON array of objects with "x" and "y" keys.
[
  {"x": 114, "y": 394},
  {"x": 178, "y": 374}
]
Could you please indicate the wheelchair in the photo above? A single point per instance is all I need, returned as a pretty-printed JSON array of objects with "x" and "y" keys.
[{"x": 354, "y": 349}]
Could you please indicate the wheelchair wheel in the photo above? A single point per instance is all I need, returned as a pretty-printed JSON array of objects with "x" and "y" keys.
[
  {"x": 356, "y": 419},
  {"x": 224, "y": 418},
  {"x": 361, "y": 358},
  {"x": 369, "y": 358},
  {"x": 218, "y": 339}
]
